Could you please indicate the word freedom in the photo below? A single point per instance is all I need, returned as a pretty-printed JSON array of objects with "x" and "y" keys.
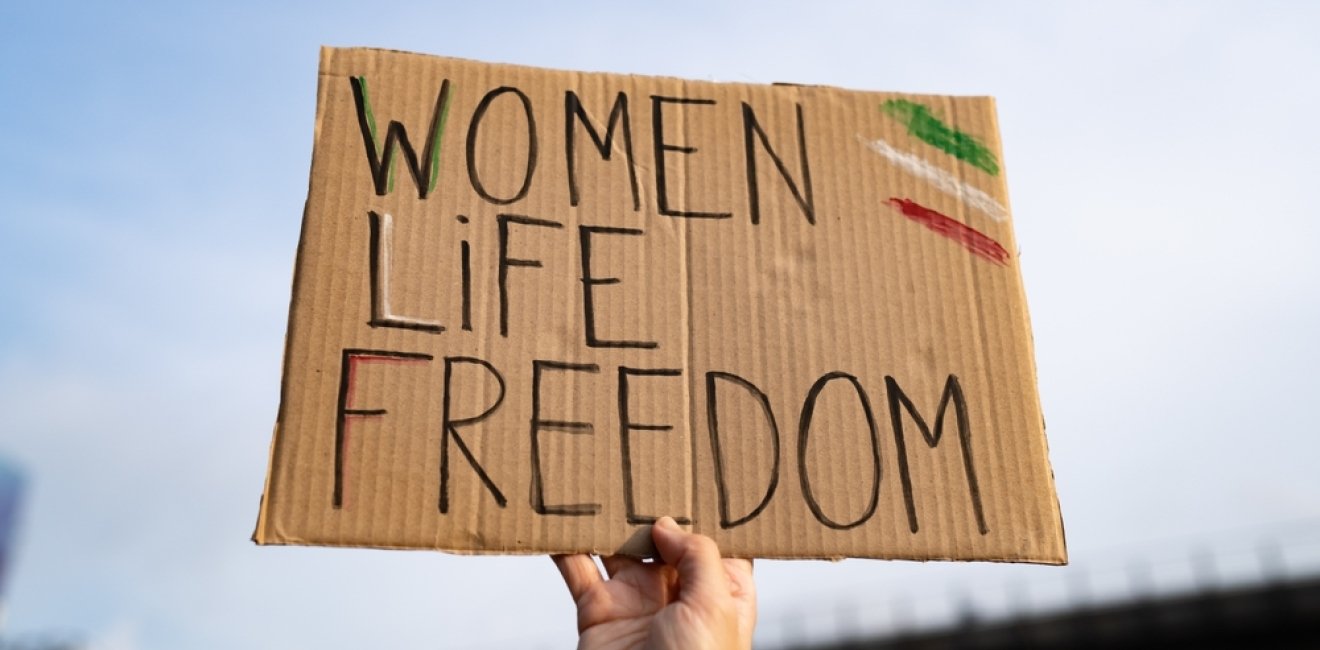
[{"x": 455, "y": 419}]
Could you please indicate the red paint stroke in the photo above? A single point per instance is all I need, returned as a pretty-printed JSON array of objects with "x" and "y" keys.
[
  {"x": 975, "y": 241},
  {"x": 354, "y": 359}
]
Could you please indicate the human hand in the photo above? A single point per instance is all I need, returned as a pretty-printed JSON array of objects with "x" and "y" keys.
[{"x": 693, "y": 601}]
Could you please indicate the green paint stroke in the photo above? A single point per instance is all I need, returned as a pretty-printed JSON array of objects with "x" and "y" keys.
[
  {"x": 435, "y": 140},
  {"x": 922, "y": 124},
  {"x": 371, "y": 126}
]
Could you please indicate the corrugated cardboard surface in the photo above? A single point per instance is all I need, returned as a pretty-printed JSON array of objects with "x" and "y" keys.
[{"x": 790, "y": 315}]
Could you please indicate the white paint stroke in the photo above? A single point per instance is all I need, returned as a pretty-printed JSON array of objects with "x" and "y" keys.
[
  {"x": 946, "y": 182},
  {"x": 381, "y": 313}
]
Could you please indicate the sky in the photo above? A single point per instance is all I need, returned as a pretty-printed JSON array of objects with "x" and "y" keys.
[{"x": 1161, "y": 159}]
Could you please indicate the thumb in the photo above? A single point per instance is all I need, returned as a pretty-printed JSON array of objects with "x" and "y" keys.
[{"x": 701, "y": 575}]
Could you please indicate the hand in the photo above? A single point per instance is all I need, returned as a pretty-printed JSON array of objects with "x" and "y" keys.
[{"x": 693, "y": 601}]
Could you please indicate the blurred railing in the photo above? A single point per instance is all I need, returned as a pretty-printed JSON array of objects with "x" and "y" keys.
[
  {"x": 1155, "y": 571},
  {"x": 45, "y": 641}
]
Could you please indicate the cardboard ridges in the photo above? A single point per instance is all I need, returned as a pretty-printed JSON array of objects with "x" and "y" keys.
[{"x": 534, "y": 310}]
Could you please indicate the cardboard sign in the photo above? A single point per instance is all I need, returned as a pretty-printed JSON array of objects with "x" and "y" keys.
[{"x": 535, "y": 310}]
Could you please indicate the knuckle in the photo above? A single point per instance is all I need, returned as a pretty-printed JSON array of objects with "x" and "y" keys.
[{"x": 703, "y": 545}]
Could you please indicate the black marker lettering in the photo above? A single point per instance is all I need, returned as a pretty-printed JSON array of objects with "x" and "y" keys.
[
  {"x": 381, "y": 234},
  {"x": 898, "y": 401},
  {"x": 801, "y": 195},
  {"x": 713, "y": 422},
  {"x": 505, "y": 261},
  {"x": 473, "y": 129},
  {"x": 449, "y": 431},
  {"x": 589, "y": 281},
  {"x": 466, "y": 252},
  {"x": 804, "y": 428},
  {"x": 347, "y": 369},
  {"x": 538, "y": 425},
  {"x": 626, "y": 427},
  {"x": 661, "y": 176},
  {"x": 618, "y": 115},
  {"x": 465, "y": 268},
  {"x": 424, "y": 173}
]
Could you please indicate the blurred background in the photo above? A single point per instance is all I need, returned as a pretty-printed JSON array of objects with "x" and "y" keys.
[{"x": 1162, "y": 161}]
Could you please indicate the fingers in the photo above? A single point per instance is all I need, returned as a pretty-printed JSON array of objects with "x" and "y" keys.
[
  {"x": 580, "y": 573},
  {"x": 740, "y": 574},
  {"x": 616, "y": 563},
  {"x": 697, "y": 559},
  {"x": 744, "y": 594}
]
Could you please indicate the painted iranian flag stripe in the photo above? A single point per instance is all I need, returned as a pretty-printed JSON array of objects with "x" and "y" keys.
[
  {"x": 923, "y": 124},
  {"x": 975, "y": 241},
  {"x": 944, "y": 181}
]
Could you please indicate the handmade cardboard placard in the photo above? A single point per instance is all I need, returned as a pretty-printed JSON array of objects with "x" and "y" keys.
[{"x": 534, "y": 310}]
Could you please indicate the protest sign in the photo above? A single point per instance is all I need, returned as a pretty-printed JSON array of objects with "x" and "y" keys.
[{"x": 534, "y": 310}]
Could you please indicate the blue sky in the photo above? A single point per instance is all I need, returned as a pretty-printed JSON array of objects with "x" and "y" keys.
[{"x": 1161, "y": 163}]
